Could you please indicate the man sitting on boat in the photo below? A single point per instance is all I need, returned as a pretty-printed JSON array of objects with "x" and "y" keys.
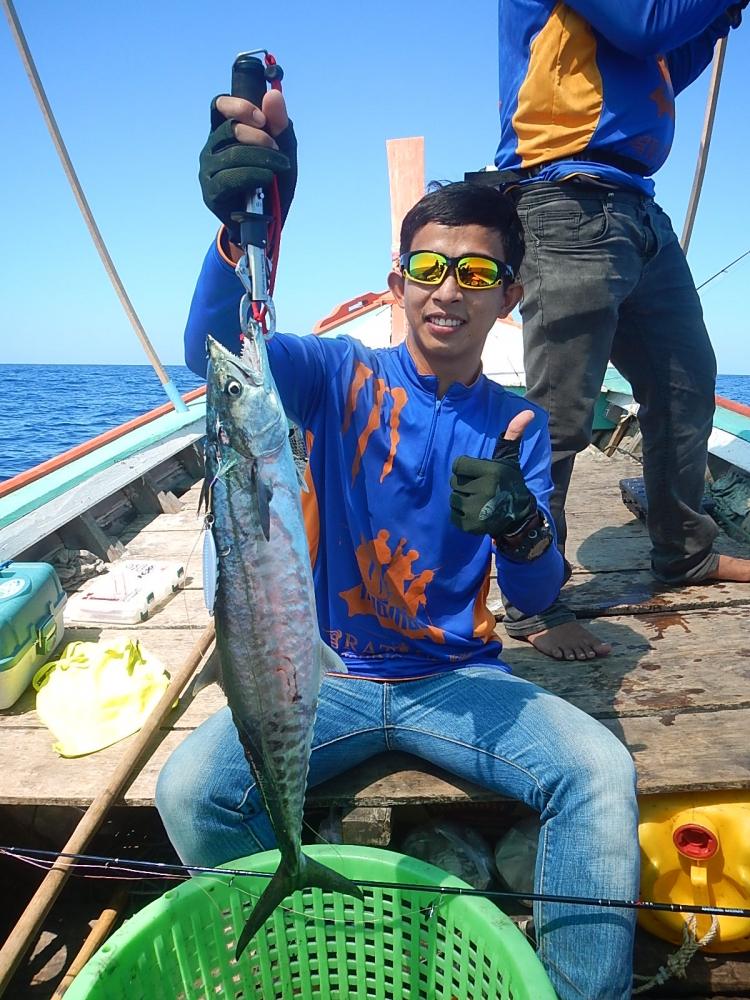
[{"x": 423, "y": 473}]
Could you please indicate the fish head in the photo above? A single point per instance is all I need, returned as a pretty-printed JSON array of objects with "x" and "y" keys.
[{"x": 243, "y": 407}]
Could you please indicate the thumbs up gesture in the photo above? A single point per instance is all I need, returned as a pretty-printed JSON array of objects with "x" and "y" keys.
[{"x": 489, "y": 496}]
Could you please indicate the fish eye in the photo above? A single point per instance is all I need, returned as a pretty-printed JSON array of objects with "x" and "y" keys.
[{"x": 233, "y": 388}]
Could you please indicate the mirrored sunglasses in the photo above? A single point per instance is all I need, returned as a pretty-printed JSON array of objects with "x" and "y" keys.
[{"x": 428, "y": 267}]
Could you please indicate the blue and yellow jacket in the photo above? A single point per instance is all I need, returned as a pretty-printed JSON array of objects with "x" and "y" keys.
[
  {"x": 400, "y": 591},
  {"x": 598, "y": 76}
]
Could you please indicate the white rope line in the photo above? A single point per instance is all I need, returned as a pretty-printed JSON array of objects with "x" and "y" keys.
[{"x": 677, "y": 963}]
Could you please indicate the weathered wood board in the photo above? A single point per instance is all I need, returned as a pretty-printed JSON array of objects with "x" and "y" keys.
[
  {"x": 676, "y": 688},
  {"x": 637, "y": 592}
]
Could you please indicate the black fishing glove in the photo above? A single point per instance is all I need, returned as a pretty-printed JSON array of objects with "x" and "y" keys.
[
  {"x": 229, "y": 171},
  {"x": 490, "y": 497}
]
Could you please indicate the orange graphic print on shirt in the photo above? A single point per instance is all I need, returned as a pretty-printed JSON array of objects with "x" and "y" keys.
[
  {"x": 663, "y": 96},
  {"x": 390, "y": 590},
  {"x": 362, "y": 374}
]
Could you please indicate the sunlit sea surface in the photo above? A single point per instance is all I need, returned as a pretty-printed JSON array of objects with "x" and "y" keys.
[{"x": 47, "y": 409}]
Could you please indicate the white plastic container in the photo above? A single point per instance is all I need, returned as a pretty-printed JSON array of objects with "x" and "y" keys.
[{"x": 127, "y": 593}]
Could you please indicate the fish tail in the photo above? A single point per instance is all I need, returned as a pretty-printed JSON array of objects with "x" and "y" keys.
[{"x": 309, "y": 873}]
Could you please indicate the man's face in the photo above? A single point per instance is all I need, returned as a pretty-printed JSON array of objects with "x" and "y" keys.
[{"x": 447, "y": 323}]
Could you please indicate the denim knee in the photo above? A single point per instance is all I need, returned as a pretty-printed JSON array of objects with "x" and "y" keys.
[
  {"x": 177, "y": 790},
  {"x": 608, "y": 769}
]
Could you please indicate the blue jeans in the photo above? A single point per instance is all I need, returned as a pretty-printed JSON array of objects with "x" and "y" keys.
[{"x": 485, "y": 726}]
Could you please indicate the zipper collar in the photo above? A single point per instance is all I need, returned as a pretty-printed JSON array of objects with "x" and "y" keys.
[{"x": 429, "y": 383}]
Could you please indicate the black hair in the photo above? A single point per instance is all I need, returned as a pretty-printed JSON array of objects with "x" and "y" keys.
[{"x": 464, "y": 204}]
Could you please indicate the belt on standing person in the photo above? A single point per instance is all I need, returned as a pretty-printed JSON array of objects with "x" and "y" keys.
[{"x": 514, "y": 175}]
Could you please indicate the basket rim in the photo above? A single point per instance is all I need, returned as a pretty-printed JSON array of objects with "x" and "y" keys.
[{"x": 496, "y": 924}]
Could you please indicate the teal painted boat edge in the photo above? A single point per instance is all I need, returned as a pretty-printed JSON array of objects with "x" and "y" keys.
[
  {"x": 737, "y": 424},
  {"x": 55, "y": 484},
  {"x": 601, "y": 420},
  {"x": 733, "y": 423}
]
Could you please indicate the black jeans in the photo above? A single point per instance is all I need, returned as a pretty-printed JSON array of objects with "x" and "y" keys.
[{"x": 605, "y": 279}]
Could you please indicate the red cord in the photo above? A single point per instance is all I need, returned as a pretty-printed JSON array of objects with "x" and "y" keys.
[
  {"x": 271, "y": 61},
  {"x": 274, "y": 241}
]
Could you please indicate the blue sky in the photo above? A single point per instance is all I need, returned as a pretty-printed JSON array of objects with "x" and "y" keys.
[{"x": 130, "y": 85}]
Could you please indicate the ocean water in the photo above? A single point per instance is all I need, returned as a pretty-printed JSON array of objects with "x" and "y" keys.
[
  {"x": 736, "y": 387},
  {"x": 47, "y": 409}
]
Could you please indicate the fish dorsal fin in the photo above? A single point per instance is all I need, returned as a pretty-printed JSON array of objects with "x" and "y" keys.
[
  {"x": 203, "y": 498},
  {"x": 331, "y": 661}
]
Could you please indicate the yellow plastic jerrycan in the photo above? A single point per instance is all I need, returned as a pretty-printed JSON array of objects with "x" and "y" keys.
[{"x": 695, "y": 849}]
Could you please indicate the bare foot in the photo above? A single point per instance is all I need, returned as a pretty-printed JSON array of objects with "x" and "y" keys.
[
  {"x": 731, "y": 568},
  {"x": 569, "y": 641}
]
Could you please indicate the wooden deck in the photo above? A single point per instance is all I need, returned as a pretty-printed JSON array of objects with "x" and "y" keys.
[{"x": 675, "y": 689}]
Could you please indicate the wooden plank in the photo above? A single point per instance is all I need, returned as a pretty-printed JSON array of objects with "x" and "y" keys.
[
  {"x": 613, "y": 548},
  {"x": 171, "y": 646},
  {"x": 406, "y": 181},
  {"x": 688, "y": 753},
  {"x": 674, "y": 749},
  {"x": 644, "y": 675},
  {"x": 83, "y": 532},
  {"x": 186, "y": 546},
  {"x": 714, "y": 976},
  {"x": 661, "y": 748},
  {"x": 661, "y": 665},
  {"x": 636, "y": 592},
  {"x": 364, "y": 825},
  {"x": 147, "y": 497},
  {"x": 660, "y": 697},
  {"x": 397, "y": 779},
  {"x": 192, "y": 460},
  {"x": 596, "y": 548},
  {"x": 187, "y": 519}
]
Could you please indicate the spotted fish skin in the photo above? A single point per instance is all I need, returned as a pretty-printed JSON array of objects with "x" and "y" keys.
[{"x": 272, "y": 657}]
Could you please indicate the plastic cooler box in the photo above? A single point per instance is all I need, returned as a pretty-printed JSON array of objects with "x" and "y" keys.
[
  {"x": 31, "y": 624},
  {"x": 128, "y": 592},
  {"x": 398, "y": 944}
]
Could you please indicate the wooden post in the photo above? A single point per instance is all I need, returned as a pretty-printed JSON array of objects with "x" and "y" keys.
[
  {"x": 406, "y": 179},
  {"x": 708, "y": 125},
  {"x": 97, "y": 936},
  {"x": 24, "y": 933}
]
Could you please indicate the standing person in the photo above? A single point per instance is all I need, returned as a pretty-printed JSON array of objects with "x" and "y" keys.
[
  {"x": 587, "y": 113},
  {"x": 423, "y": 473}
]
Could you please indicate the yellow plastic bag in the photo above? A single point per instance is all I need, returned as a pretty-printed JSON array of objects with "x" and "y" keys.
[{"x": 95, "y": 694}]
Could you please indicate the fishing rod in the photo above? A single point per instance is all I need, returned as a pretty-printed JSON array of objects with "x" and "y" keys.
[
  {"x": 169, "y": 870},
  {"x": 708, "y": 127},
  {"x": 722, "y": 270}
]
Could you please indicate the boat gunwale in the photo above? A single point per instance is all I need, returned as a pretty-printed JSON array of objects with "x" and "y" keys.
[{"x": 38, "y": 472}]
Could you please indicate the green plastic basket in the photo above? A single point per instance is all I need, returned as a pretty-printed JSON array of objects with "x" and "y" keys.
[{"x": 397, "y": 945}]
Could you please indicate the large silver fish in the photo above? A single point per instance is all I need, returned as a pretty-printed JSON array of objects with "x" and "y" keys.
[{"x": 272, "y": 656}]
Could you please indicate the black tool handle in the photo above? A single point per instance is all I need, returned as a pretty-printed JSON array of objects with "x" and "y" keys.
[{"x": 249, "y": 79}]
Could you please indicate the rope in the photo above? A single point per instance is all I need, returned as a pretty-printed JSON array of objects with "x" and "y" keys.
[{"x": 676, "y": 965}]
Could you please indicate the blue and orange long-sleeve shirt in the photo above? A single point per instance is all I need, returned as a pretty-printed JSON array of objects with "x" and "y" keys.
[
  {"x": 400, "y": 591},
  {"x": 600, "y": 77}
]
